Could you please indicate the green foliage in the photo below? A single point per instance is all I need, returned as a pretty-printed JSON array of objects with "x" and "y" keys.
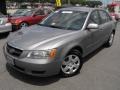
[
  {"x": 64, "y": 1},
  {"x": 83, "y": 2}
]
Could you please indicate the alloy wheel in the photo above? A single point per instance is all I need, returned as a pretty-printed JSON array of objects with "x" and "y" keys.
[{"x": 70, "y": 64}]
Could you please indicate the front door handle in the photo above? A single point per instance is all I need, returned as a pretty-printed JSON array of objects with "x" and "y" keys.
[{"x": 101, "y": 29}]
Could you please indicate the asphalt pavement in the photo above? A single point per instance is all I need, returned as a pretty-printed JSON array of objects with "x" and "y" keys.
[{"x": 101, "y": 71}]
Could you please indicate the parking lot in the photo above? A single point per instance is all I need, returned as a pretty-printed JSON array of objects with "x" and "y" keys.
[{"x": 101, "y": 71}]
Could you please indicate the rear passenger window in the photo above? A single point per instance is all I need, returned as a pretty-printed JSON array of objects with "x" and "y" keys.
[{"x": 104, "y": 17}]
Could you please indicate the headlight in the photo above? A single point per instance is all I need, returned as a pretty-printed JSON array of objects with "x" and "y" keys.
[{"x": 42, "y": 54}]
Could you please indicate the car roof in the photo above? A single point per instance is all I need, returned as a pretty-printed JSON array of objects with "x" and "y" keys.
[{"x": 84, "y": 9}]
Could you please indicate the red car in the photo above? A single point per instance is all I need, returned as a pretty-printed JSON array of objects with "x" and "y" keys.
[
  {"x": 26, "y": 17},
  {"x": 114, "y": 16}
]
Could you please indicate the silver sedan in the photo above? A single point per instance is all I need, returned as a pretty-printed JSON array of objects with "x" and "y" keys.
[
  {"x": 60, "y": 42},
  {"x": 5, "y": 25}
]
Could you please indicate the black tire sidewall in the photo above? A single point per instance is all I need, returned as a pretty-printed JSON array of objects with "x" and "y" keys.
[{"x": 108, "y": 43}]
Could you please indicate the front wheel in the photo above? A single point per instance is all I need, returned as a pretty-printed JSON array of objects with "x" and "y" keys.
[
  {"x": 71, "y": 64},
  {"x": 23, "y": 24}
]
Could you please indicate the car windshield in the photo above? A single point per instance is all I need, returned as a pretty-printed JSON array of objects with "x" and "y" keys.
[
  {"x": 23, "y": 12},
  {"x": 68, "y": 20}
]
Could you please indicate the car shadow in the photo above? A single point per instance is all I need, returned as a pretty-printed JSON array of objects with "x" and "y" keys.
[
  {"x": 88, "y": 57},
  {"x": 3, "y": 35},
  {"x": 33, "y": 80}
]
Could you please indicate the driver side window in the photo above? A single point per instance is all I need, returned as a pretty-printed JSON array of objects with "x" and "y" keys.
[{"x": 40, "y": 12}]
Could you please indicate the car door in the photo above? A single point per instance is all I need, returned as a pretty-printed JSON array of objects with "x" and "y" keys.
[
  {"x": 106, "y": 25},
  {"x": 39, "y": 15},
  {"x": 95, "y": 33}
]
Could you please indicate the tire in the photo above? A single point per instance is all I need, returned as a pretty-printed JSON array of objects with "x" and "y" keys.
[
  {"x": 23, "y": 24},
  {"x": 72, "y": 64},
  {"x": 7, "y": 33},
  {"x": 109, "y": 43}
]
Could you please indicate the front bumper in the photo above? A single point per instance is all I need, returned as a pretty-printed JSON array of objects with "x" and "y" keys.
[
  {"x": 5, "y": 28},
  {"x": 33, "y": 67}
]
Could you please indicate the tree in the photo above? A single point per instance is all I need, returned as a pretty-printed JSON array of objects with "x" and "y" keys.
[
  {"x": 93, "y": 3},
  {"x": 3, "y": 6},
  {"x": 73, "y": 1}
]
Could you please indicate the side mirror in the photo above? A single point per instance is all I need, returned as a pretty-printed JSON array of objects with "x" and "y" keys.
[{"x": 92, "y": 26}]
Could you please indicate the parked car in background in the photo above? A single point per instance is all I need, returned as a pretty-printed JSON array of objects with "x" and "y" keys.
[
  {"x": 59, "y": 42},
  {"x": 114, "y": 16},
  {"x": 19, "y": 12},
  {"x": 114, "y": 9},
  {"x": 5, "y": 25},
  {"x": 26, "y": 17}
]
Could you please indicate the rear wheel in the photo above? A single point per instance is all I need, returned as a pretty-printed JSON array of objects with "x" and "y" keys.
[
  {"x": 71, "y": 64},
  {"x": 110, "y": 40}
]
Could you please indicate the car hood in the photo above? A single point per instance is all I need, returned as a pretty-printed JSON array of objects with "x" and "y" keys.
[{"x": 34, "y": 36}]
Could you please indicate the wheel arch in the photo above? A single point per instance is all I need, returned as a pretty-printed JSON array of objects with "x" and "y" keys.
[
  {"x": 76, "y": 48},
  {"x": 113, "y": 31},
  {"x": 25, "y": 22},
  {"x": 72, "y": 47}
]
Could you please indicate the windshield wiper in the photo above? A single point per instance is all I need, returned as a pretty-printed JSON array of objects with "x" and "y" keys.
[
  {"x": 50, "y": 26},
  {"x": 55, "y": 26}
]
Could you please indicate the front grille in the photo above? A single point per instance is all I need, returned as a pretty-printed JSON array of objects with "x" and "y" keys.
[
  {"x": 13, "y": 51},
  {"x": 38, "y": 72},
  {"x": 19, "y": 68}
]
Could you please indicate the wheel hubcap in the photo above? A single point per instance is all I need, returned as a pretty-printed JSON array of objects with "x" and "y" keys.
[
  {"x": 111, "y": 39},
  {"x": 71, "y": 64},
  {"x": 23, "y": 25}
]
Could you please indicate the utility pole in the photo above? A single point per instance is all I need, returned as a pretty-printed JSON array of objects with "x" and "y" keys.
[{"x": 3, "y": 7}]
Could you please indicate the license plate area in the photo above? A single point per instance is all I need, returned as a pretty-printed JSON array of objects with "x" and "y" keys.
[{"x": 10, "y": 60}]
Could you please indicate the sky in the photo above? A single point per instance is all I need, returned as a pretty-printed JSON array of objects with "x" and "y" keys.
[{"x": 105, "y": 2}]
